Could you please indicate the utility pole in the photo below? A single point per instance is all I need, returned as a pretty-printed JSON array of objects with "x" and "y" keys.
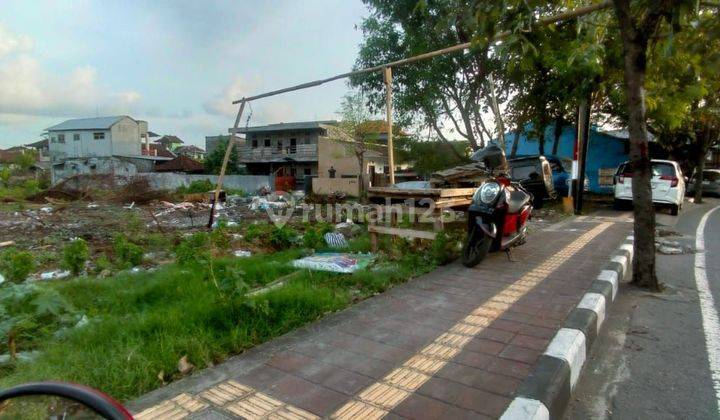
[
  {"x": 387, "y": 75},
  {"x": 581, "y": 146}
]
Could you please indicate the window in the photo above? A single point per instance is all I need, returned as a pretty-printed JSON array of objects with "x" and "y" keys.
[
  {"x": 99, "y": 136},
  {"x": 76, "y": 137},
  {"x": 53, "y": 139},
  {"x": 61, "y": 138},
  {"x": 267, "y": 142},
  {"x": 254, "y": 144}
]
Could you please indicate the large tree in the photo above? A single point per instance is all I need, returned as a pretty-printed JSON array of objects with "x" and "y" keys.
[
  {"x": 639, "y": 26},
  {"x": 449, "y": 93}
]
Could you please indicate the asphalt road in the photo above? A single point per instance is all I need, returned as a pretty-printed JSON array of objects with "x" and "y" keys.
[{"x": 651, "y": 359}]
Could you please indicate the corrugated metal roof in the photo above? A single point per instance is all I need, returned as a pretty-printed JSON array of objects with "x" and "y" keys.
[
  {"x": 97, "y": 123},
  {"x": 301, "y": 125}
]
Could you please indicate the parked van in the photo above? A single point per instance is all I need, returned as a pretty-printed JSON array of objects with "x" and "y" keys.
[{"x": 668, "y": 185}]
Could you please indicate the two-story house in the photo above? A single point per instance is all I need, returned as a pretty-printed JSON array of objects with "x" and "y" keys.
[
  {"x": 303, "y": 150},
  {"x": 116, "y": 145},
  {"x": 97, "y": 137}
]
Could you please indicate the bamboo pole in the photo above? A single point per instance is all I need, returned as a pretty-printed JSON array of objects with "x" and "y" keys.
[
  {"x": 387, "y": 74},
  {"x": 226, "y": 158},
  {"x": 570, "y": 14}
]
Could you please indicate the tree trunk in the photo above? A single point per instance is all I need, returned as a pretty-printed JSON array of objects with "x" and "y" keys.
[
  {"x": 516, "y": 140},
  {"x": 558, "y": 133},
  {"x": 541, "y": 143},
  {"x": 634, "y": 49},
  {"x": 702, "y": 152}
]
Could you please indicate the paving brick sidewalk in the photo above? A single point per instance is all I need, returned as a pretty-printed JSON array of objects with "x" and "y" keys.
[{"x": 454, "y": 343}]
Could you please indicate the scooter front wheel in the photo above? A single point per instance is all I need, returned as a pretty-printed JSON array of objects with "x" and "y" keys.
[{"x": 476, "y": 247}]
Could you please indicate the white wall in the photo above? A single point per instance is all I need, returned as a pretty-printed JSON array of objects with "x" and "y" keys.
[
  {"x": 87, "y": 146},
  {"x": 126, "y": 138}
]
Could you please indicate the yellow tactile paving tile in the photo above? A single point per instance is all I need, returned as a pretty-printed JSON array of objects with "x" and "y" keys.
[
  {"x": 358, "y": 410},
  {"x": 453, "y": 340},
  {"x": 378, "y": 399},
  {"x": 466, "y": 329},
  {"x": 236, "y": 398},
  {"x": 226, "y": 392},
  {"x": 424, "y": 364},
  {"x": 407, "y": 379},
  {"x": 383, "y": 395},
  {"x": 256, "y": 406},
  {"x": 176, "y": 408}
]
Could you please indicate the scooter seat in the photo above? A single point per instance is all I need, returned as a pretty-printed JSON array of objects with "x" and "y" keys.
[{"x": 516, "y": 200}]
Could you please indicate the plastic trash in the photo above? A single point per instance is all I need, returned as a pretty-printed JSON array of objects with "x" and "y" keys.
[
  {"x": 335, "y": 262},
  {"x": 53, "y": 275},
  {"x": 46, "y": 209},
  {"x": 82, "y": 322},
  {"x": 335, "y": 240},
  {"x": 242, "y": 253}
]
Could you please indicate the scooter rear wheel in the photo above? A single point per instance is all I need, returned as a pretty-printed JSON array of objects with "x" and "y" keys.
[{"x": 476, "y": 247}]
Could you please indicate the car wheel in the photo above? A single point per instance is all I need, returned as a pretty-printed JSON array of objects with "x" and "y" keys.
[{"x": 674, "y": 209}]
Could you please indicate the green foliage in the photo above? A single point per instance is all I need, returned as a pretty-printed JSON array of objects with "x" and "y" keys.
[
  {"x": 445, "y": 94},
  {"x": 102, "y": 263},
  {"x": 16, "y": 265},
  {"x": 30, "y": 312},
  {"x": 444, "y": 248},
  {"x": 427, "y": 157},
  {"x": 314, "y": 236},
  {"x": 5, "y": 174},
  {"x": 270, "y": 235},
  {"x": 193, "y": 250},
  {"x": 220, "y": 237},
  {"x": 195, "y": 187},
  {"x": 75, "y": 254},
  {"x": 282, "y": 237},
  {"x": 213, "y": 161},
  {"x": 127, "y": 254},
  {"x": 26, "y": 159}
]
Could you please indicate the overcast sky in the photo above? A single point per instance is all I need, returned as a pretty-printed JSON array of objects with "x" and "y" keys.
[{"x": 175, "y": 63}]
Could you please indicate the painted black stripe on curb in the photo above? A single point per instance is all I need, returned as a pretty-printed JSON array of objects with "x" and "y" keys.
[
  {"x": 584, "y": 320},
  {"x": 547, "y": 391},
  {"x": 549, "y": 382},
  {"x": 604, "y": 288}
]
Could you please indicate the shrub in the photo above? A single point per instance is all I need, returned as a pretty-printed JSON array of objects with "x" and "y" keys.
[
  {"x": 220, "y": 237},
  {"x": 444, "y": 248},
  {"x": 75, "y": 254},
  {"x": 127, "y": 254},
  {"x": 282, "y": 237},
  {"x": 16, "y": 265},
  {"x": 195, "y": 187},
  {"x": 193, "y": 250},
  {"x": 313, "y": 239}
]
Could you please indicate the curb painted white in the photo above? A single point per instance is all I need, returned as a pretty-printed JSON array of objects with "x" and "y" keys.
[
  {"x": 596, "y": 303},
  {"x": 622, "y": 260},
  {"x": 628, "y": 248},
  {"x": 610, "y": 276},
  {"x": 569, "y": 345},
  {"x": 522, "y": 408},
  {"x": 710, "y": 321}
]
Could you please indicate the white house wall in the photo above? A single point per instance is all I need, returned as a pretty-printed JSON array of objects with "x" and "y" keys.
[
  {"x": 86, "y": 146},
  {"x": 125, "y": 136}
]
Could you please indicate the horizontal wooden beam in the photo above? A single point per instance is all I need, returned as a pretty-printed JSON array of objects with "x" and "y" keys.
[
  {"x": 404, "y": 233},
  {"x": 570, "y": 14}
]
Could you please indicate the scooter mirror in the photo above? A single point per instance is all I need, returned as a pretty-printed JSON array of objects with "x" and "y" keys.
[{"x": 55, "y": 400}]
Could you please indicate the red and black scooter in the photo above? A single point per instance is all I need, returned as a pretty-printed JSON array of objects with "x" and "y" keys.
[{"x": 498, "y": 214}]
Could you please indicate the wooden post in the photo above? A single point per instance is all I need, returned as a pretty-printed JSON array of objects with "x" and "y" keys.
[
  {"x": 387, "y": 73},
  {"x": 226, "y": 158}
]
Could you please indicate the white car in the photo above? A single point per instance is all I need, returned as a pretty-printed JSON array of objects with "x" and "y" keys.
[{"x": 668, "y": 185}]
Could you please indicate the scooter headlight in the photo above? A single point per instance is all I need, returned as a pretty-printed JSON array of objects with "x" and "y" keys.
[{"x": 489, "y": 192}]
